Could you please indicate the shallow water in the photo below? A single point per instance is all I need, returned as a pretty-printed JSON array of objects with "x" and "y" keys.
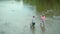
[{"x": 15, "y": 18}]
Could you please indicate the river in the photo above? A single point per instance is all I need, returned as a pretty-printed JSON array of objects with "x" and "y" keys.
[{"x": 16, "y": 17}]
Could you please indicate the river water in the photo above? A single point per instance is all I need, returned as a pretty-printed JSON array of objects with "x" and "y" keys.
[{"x": 16, "y": 17}]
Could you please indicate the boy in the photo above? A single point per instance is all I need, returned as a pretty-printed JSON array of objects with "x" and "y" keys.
[
  {"x": 43, "y": 18},
  {"x": 33, "y": 21}
]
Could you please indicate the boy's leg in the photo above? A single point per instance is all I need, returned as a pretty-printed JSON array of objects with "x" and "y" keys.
[{"x": 33, "y": 25}]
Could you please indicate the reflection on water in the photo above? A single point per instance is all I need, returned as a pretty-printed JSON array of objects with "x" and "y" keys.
[
  {"x": 33, "y": 30},
  {"x": 42, "y": 27},
  {"x": 21, "y": 4}
]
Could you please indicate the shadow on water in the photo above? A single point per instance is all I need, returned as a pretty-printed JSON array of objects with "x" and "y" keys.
[{"x": 42, "y": 28}]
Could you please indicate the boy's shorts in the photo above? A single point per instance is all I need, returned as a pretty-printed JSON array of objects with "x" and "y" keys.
[
  {"x": 42, "y": 21},
  {"x": 33, "y": 23}
]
